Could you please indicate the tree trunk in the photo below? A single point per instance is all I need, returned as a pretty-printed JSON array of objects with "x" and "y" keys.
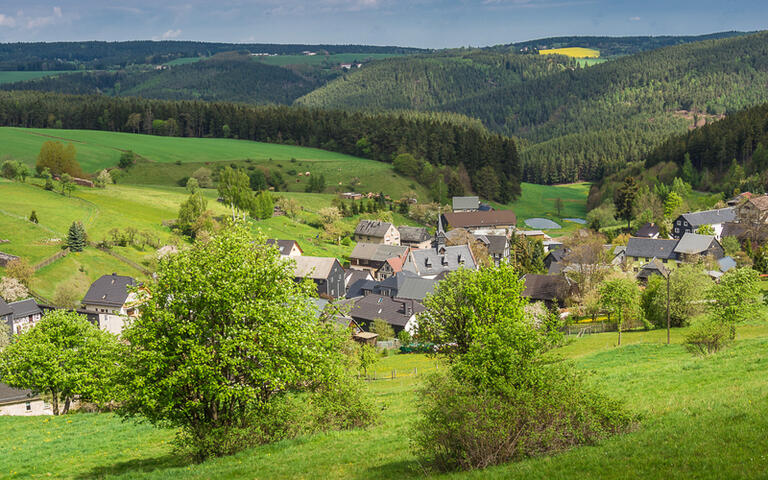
[
  {"x": 55, "y": 401},
  {"x": 67, "y": 402}
]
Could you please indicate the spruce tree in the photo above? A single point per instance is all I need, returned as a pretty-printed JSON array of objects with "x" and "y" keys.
[{"x": 76, "y": 237}]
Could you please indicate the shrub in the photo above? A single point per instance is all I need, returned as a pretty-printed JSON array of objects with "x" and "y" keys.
[
  {"x": 404, "y": 337},
  {"x": 384, "y": 330},
  {"x": 708, "y": 337},
  {"x": 461, "y": 427}
]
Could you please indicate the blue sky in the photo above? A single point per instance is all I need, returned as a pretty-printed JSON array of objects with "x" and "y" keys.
[{"x": 421, "y": 23}]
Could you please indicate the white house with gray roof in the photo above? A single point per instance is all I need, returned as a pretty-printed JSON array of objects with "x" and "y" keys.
[
  {"x": 376, "y": 231},
  {"x": 16, "y": 402},
  {"x": 110, "y": 299}
]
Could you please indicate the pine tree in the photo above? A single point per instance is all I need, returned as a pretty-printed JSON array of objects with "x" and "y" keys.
[
  {"x": 33, "y": 217},
  {"x": 76, "y": 239}
]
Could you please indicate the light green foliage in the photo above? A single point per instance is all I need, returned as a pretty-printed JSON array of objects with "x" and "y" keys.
[
  {"x": 127, "y": 160},
  {"x": 366, "y": 357},
  {"x": 681, "y": 187},
  {"x": 736, "y": 297},
  {"x": 404, "y": 337},
  {"x": 235, "y": 189},
  {"x": 225, "y": 332},
  {"x": 705, "y": 230},
  {"x": 192, "y": 185},
  {"x": 408, "y": 165},
  {"x": 67, "y": 184},
  {"x": 203, "y": 177},
  {"x": 687, "y": 289},
  {"x": 672, "y": 205},
  {"x": 621, "y": 298},
  {"x": 103, "y": 179},
  {"x": 383, "y": 329},
  {"x": 64, "y": 356},
  {"x": 76, "y": 238},
  {"x": 264, "y": 205},
  {"x": 21, "y": 270},
  {"x": 708, "y": 336},
  {"x": 731, "y": 245},
  {"x": 14, "y": 170},
  {"x": 602, "y": 216},
  {"x": 58, "y": 158},
  {"x": 190, "y": 212}
]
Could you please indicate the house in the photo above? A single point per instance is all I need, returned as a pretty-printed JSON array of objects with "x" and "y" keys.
[
  {"x": 110, "y": 299},
  {"x": 555, "y": 256},
  {"x": 429, "y": 263},
  {"x": 654, "y": 267},
  {"x": 690, "y": 222},
  {"x": 353, "y": 276},
  {"x": 474, "y": 220},
  {"x": 497, "y": 246},
  {"x": 21, "y": 402},
  {"x": 551, "y": 289},
  {"x": 738, "y": 199},
  {"x": 400, "y": 314},
  {"x": 643, "y": 250},
  {"x": 287, "y": 248},
  {"x": 466, "y": 204},
  {"x": 327, "y": 274},
  {"x": 351, "y": 196},
  {"x": 649, "y": 230},
  {"x": 6, "y": 313},
  {"x": 404, "y": 285},
  {"x": 753, "y": 211},
  {"x": 372, "y": 257},
  {"x": 695, "y": 245},
  {"x": 376, "y": 231},
  {"x": 414, "y": 237},
  {"x": 26, "y": 313}
]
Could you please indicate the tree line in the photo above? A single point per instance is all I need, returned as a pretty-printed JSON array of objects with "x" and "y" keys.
[{"x": 440, "y": 139}]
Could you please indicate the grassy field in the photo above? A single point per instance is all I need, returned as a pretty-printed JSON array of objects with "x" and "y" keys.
[
  {"x": 11, "y": 77},
  {"x": 167, "y": 160},
  {"x": 319, "y": 59},
  {"x": 538, "y": 201},
  {"x": 573, "y": 52},
  {"x": 183, "y": 61},
  {"x": 701, "y": 418}
]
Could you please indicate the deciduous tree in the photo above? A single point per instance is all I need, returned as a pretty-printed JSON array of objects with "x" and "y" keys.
[{"x": 621, "y": 298}]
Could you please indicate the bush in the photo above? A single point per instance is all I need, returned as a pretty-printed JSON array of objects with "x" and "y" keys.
[
  {"x": 461, "y": 427},
  {"x": 708, "y": 337},
  {"x": 384, "y": 329}
]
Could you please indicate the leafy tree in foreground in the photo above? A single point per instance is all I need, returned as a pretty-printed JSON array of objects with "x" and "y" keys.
[
  {"x": 688, "y": 285},
  {"x": 621, "y": 298},
  {"x": 224, "y": 336},
  {"x": 63, "y": 356},
  {"x": 735, "y": 298},
  {"x": 501, "y": 398}
]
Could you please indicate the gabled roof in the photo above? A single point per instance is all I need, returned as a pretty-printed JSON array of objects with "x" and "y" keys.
[
  {"x": 394, "y": 311},
  {"x": 480, "y": 219},
  {"x": 13, "y": 395},
  {"x": 760, "y": 202},
  {"x": 430, "y": 262},
  {"x": 377, "y": 252},
  {"x": 651, "y": 247},
  {"x": 710, "y": 217},
  {"x": 284, "y": 246},
  {"x": 109, "y": 290},
  {"x": 25, "y": 308},
  {"x": 413, "y": 234},
  {"x": 648, "y": 230},
  {"x": 373, "y": 228},
  {"x": 466, "y": 203},
  {"x": 557, "y": 255},
  {"x": 351, "y": 276},
  {"x": 693, "y": 243},
  {"x": 497, "y": 244},
  {"x": 5, "y": 309},
  {"x": 545, "y": 287},
  {"x": 654, "y": 267},
  {"x": 318, "y": 268}
]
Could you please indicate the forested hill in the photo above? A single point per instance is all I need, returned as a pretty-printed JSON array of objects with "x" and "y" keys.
[
  {"x": 615, "y": 46},
  {"x": 443, "y": 139},
  {"x": 582, "y": 123},
  {"x": 229, "y": 77},
  {"x": 729, "y": 154},
  {"x": 112, "y": 55},
  {"x": 429, "y": 82}
]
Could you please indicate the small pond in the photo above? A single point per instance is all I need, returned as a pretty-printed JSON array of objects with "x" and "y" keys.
[{"x": 542, "y": 224}]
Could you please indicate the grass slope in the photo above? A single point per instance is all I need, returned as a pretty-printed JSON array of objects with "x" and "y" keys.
[
  {"x": 166, "y": 160},
  {"x": 702, "y": 418},
  {"x": 573, "y": 52},
  {"x": 538, "y": 201},
  {"x": 12, "y": 77}
]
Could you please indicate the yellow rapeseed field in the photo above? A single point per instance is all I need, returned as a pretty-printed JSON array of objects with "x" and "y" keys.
[{"x": 575, "y": 52}]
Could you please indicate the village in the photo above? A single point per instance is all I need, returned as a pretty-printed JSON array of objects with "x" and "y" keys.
[{"x": 392, "y": 269}]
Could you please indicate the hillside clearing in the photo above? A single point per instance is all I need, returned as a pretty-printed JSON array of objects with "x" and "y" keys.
[
  {"x": 701, "y": 418},
  {"x": 538, "y": 201},
  {"x": 573, "y": 52}
]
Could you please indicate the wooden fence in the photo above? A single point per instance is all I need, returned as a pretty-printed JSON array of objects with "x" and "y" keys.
[
  {"x": 51, "y": 259},
  {"x": 124, "y": 259},
  {"x": 581, "y": 329}
]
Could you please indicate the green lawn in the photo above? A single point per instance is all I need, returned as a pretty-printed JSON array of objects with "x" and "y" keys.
[
  {"x": 319, "y": 59},
  {"x": 702, "y": 418},
  {"x": 11, "y": 77},
  {"x": 183, "y": 61},
  {"x": 538, "y": 201},
  {"x": 167, "y": 160}
]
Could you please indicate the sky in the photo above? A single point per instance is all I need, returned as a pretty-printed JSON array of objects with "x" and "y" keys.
[{"x": 417, "y": 23}]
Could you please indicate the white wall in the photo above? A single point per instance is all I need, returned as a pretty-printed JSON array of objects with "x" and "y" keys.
[{"x": 36, "y": 407}]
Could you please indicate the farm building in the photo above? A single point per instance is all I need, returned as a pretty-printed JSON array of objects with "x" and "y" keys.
[
  {"x": 479, "y": 219},
  {"x": 287, "y": 248},
  {"x": 376, "y": 231},
  {"x": 414, "y": 237},
  {"x": 21, "y": 402}
]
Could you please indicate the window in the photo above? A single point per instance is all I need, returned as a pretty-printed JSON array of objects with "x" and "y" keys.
[
  {"x": 28, "y": 406},
  {"x": 677, "y": 230}
]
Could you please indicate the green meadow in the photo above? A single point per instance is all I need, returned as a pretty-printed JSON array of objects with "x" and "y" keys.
[
  {"x": 538, "y": 201},
  {"x": 11, "y": 77},
  {"x": 702, "y": 418}
]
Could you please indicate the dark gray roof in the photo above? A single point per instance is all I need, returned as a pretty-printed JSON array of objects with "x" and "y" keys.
[
  {"x": 497, "y": 244},
  {"x": 5, "y": 309},
  {"x": 413, "y": 234},
  {"x": 648, "y": 230},
  {"x": 466, "y": 203},
  {"x": 372, "y": 228},
  {"x": 545, "y": 287},
  {"x": 392, "y": 310},
  {"x": 351, "y": 276},
  {"x": 405, "y": 285},
  {"x": 25, "y": 308},
  {"x": 13, "y": 395},
  {"x": 654, "y": 267},
  {"x": 693, "y": 243},
  {"x": 284, "y": 246},
  {"x": 710, "y": 217},
  {"x": 109, "y": 290},
  {"x": 556, "y": 255},
  {"x": 377, "y": 252},
  {"x": 428, "y": 262},
  {"x": 359, "y": 287},
  {"x": 651, "y": 247},
  {"x": 555, "y": 268}
]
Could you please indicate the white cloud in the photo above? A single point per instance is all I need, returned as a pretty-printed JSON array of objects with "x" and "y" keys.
[
  {"x": 169, "y": 34},
  {"x": 57, "y": 12},
  {"x": 634, "y": 19},
  {"x": 6, "y": 21},
  {"x": 37, "y": 22}
]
